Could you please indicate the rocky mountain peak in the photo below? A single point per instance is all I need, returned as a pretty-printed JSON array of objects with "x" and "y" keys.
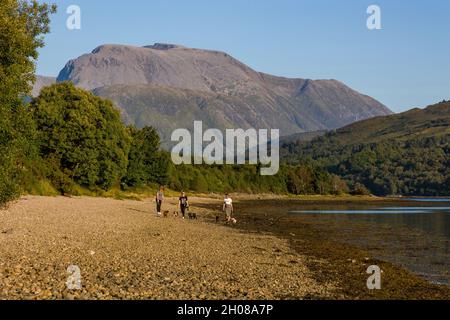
[{"x": 161, "y": 84}]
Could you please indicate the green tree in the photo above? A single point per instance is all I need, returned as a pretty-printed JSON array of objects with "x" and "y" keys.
[
  {"x": 360, "y": 190},
  {"x": 147, "y": 164},
  {"x": 22, "y": 24},
  {"x": 199, "y": 183},
  {"x": 338, "y": 185},
  {"x": 81, "y": 136}
]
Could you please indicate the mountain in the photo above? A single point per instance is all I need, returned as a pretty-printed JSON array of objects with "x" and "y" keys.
[
  {"x": 407, "y": 153},
  {"x": 41, "y": 82},
  {"x": 168, "y": 86}
]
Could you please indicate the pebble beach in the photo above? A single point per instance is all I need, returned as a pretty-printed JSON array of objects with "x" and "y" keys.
[{"x": 124, "y": 251}]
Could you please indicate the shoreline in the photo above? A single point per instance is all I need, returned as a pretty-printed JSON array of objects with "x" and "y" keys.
[
  {"x": 332, "y": 260},
  {"x": 268, "y": 254},
  {"x": 124, "y": 251}
]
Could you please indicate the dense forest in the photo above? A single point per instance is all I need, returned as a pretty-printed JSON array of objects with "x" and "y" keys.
[
  {"x": 297, "y": 180},
  {"x": 403, "y": 154}
]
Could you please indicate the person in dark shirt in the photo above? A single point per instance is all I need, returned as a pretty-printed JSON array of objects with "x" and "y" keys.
[
  {"x": 159, "y": 200},
  {"x": 184, "y": 204}
]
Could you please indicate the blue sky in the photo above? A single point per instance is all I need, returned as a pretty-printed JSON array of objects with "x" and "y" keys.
[{"x": 404, "y": 65}]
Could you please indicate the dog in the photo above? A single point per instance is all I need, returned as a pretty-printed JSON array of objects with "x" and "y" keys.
[
  {"x": 175, "y": 214},
  {"x": 192, "y": 215},
  {"x": 166, "y": 214}
]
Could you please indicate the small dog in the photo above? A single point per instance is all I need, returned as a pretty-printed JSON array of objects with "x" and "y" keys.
[
  {"x": 192, "y": 215},
  {"x": 166, "y": 214},
  {"x": 175, "y": 214}
]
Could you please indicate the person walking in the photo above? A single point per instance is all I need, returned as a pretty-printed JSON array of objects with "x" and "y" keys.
[
  {"x": 228, "y": 207},
  {"x": 184, "y": 204},
  {"x": 159, "y": 200}
]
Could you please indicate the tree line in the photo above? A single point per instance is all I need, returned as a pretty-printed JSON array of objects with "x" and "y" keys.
[
  {"x": 77, "y": 140},
  {"x": 417, "y": 166}
]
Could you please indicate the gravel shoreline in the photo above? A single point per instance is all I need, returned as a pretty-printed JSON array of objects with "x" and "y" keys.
[
  {"x": 327, "y": 256},
  {"x": 124, "y": 251}
]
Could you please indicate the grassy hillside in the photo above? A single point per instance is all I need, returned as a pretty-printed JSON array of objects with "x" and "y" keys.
[
  {"x": 416, "y": 123},
  {"x": 168, "y": 109},
  {"x": 406, "y": 153}
]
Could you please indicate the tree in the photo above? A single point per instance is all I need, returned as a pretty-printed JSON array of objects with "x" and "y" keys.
[
  {"x": 360, "y": 190},
  {"x": 81, "y": 135},
  {"x": 22, "y": 24},
  {"x": 146, "y": 164},
  {"x": 339, "y": 186},
  {"x": 199, "y": 183}
]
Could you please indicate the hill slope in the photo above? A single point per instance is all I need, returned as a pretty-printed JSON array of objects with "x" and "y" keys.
[
  {"x": 406, "y": 153},
  {"x": 174, "y": 84}
]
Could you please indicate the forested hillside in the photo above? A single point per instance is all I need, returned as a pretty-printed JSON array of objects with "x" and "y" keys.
[{"x": 406, "y": 154}]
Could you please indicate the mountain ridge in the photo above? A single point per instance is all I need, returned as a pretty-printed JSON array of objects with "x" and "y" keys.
[{"x": 241, "y": 96}]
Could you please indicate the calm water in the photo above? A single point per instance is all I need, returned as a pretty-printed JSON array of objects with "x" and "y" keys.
[
  {"x": 429, "y": 199},
  {"x": 415, "y": 237}
]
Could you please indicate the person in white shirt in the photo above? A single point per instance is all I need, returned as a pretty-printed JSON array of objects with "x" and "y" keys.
[{"x": 228, "y": 207}]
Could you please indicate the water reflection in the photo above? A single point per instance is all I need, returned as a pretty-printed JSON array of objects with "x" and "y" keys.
[
  {"x": 375, "y": 211},
  {"x": 417, "y": 238},
  {"x": 428, "y": 199}
]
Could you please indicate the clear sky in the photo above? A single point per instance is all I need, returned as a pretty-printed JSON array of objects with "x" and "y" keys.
[{"x": 405, "y": 64}]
